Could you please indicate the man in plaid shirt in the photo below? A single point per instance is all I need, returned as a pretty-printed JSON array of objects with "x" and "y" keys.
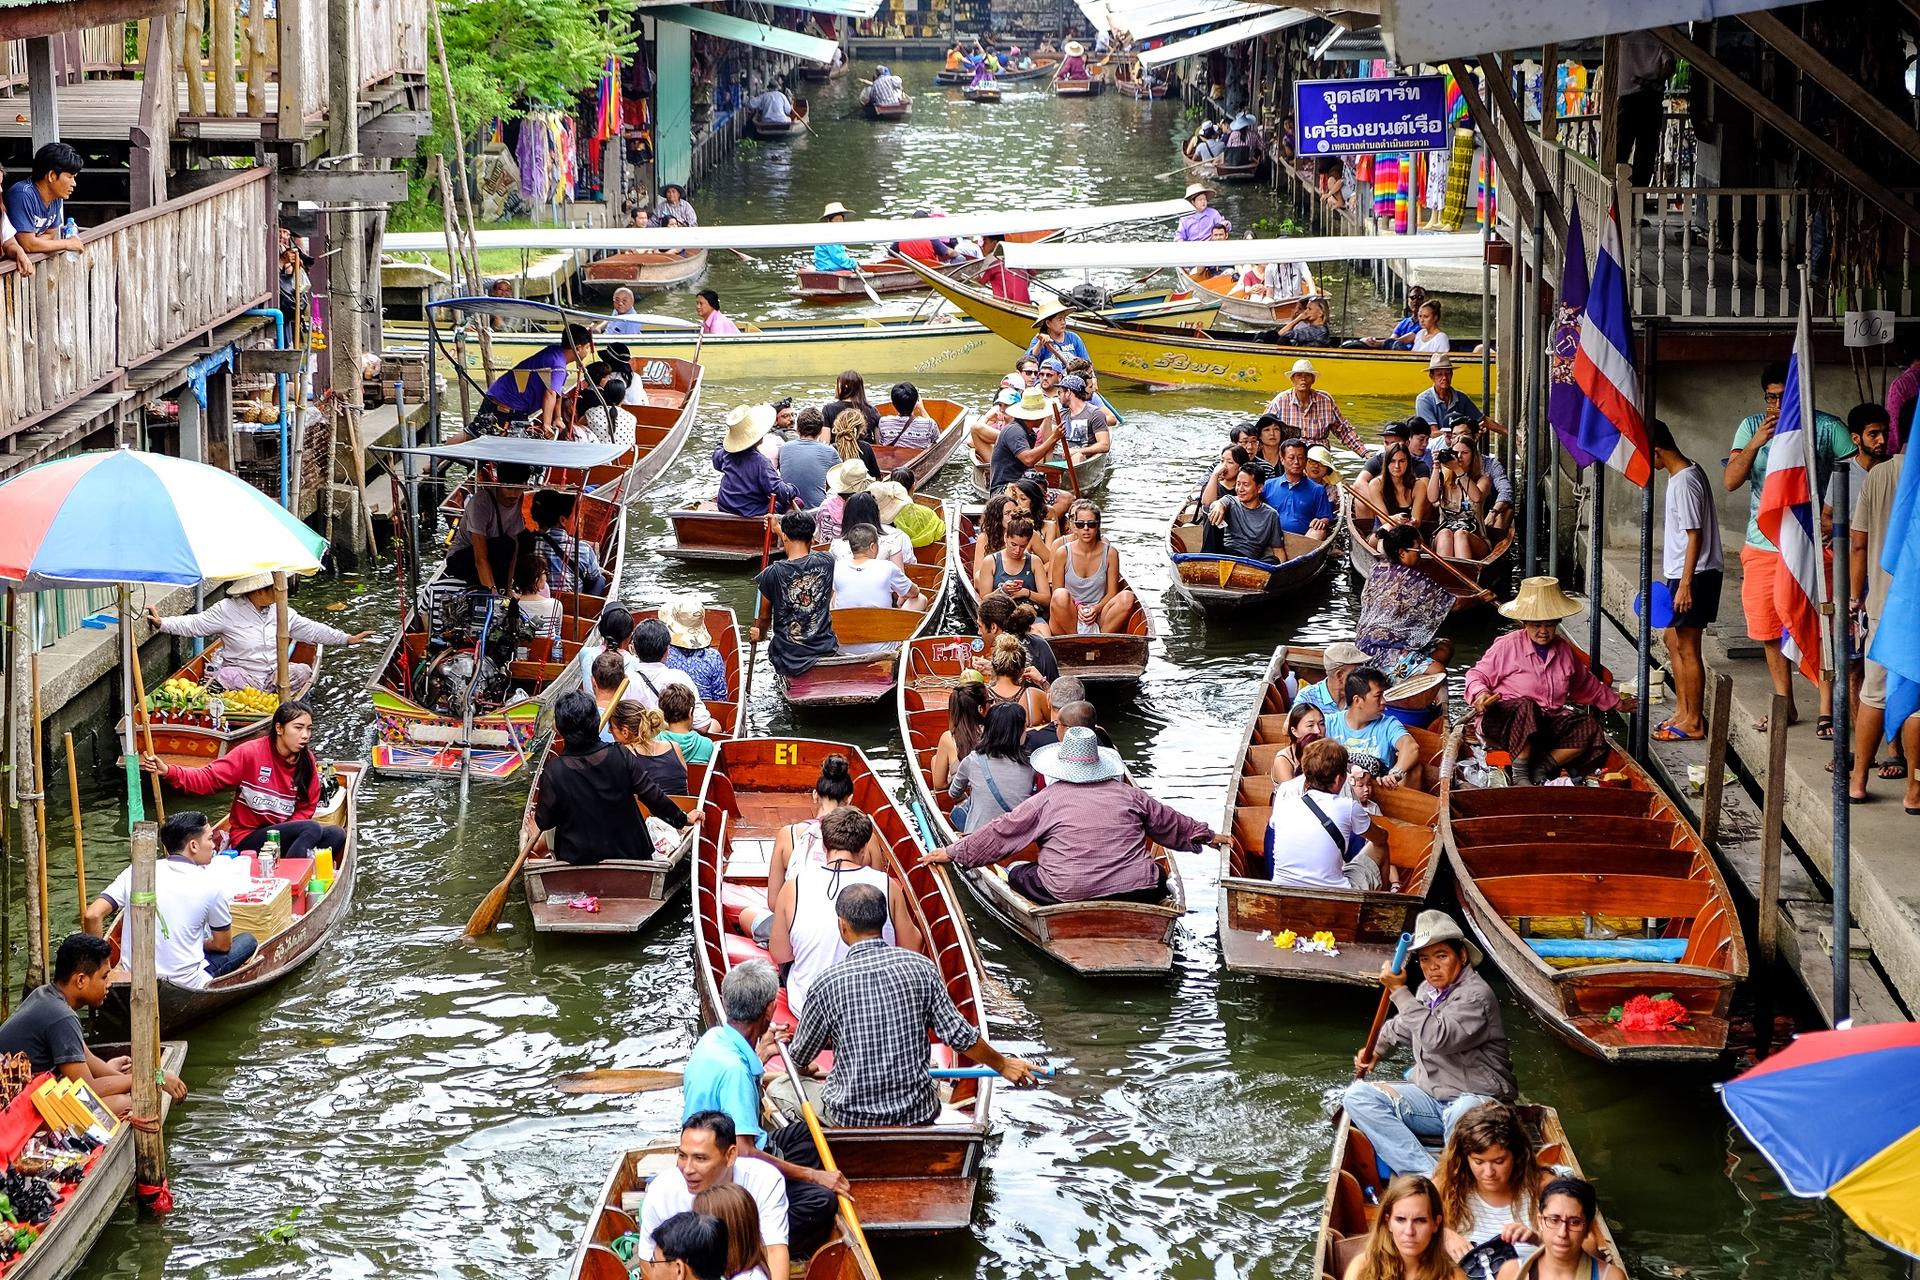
[
  {"x": 1311, "y": 414},
  {"x": 874, "y": 1009}
]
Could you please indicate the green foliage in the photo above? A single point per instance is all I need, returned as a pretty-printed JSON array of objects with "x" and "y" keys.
[
  {"x": 508, "y": 56},
  {"x": 1271, "y": 228},
  {"x": 284, "y": 1230}
]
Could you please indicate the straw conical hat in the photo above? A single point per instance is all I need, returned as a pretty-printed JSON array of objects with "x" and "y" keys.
[{"x": 1540, "y": 600}]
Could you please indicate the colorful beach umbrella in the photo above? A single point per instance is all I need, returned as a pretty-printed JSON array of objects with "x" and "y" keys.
[
  {"x": 1838, "y": 1114},
  {"x": 125, "y": 516}
]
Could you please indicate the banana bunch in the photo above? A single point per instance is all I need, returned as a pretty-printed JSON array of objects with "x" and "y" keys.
[
  {"x": 178, "y": 694},
  {"x": 250, "y": 702}
]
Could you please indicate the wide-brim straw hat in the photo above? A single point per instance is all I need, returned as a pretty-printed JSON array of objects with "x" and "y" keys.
[
  {"x": 747, "y": 425},
  {"x": 1540, "y": 600},
  {"x": 686, "y": 619},
  {"x": 1048, "y": 312},
  {"x": 1303, "y": 366},
  {"x": 249, "y": 584},
  {"x": 1242, "y": 121},
  {"x": 1441, "y": 360},
  {"x": 1075, "y": 49},
  {"x": 849, "y": 476},
  {"x": 1437, "y": 926},
  {"x": 1078, "y": 757},
  {"x": 1198, "y": 189},
  {"x": 892, "y": 497},
  {"x": 834, "y": 210},
  {"x": 1033, "y": 407},
  {"x": 1344, "y": 654}
]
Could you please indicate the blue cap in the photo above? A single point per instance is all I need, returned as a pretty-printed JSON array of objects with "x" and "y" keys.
[{"x": 1054, "y": 363}]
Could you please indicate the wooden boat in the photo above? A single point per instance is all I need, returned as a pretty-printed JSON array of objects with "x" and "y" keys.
[
  {"x": 1366, "y": 925},
  {"x": 988, "y": 92},
  {"x": 897, "y": 111},
  {"x": 628, "y": 893},
  {"x": 279, "y": 955},
  {"x": 78, "y": 1219},
  {"x": 1224, "y": 586},
  {"x": 841, "y": 1258},
  {"x": 1362, "y": 556},
  {"x": 645, "y": 270},
  {"x": 193, "y": 739},
  {"x": 1097, "y": 658},
  {"x": 661, "y": 427},
  {"x": 858, "y": 679},
  {"x": 1417, "y": 703},
  {"x": 1141, "y": 89},
  {"x": 1244, "y": 312},
  {"x": 1164, "y": 357},
  {"x": 1041, "y": 69},
  {"x": 1354, "y": 1188},
  {"x": 769, "y": 130},
  {"x": 1093, "y": 939},
  {"x": 1087, "y": 88},
  {"x": 888, "y": 275},
  {"x": 1539, "y": 869},
  {"x": 904, "y": 1179},
  {"x": 420, "y": 726},
  {"x": 821, "y": 73},
  {"x": 1091, "y": 474},
  {"x": 951, "y": 417},
  {"x": 706, "y": 534},
  {"x": 1248, "y": 170}
]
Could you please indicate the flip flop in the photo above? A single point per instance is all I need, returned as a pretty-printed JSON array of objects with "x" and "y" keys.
[
  {"x": 1823, "y": 728},
  {"x": 1893, "y": 770},
  {"x": 1667, "y": 733}
]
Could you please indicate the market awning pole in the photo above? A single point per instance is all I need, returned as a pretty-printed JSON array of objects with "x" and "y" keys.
[
  {"x": 283, "y": 679},
  {"x": 1531, "y": 332},
  {"x": 1643, "y": 709},
  {"x": 1838, "y": 640},
  {"x": 1596, "y": 545},
  {"x": 129, "y": 753},
  {"x": 143, "y": 1013}
]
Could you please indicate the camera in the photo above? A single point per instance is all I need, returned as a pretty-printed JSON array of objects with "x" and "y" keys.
[
  {"x": 778, "y": 405},
  {"x": 1443, "y": 456}
]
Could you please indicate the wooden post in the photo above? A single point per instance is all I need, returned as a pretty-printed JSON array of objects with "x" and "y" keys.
[
  {"x": 1719, "y": 727},
  {"x": 257, "y": 60},
  {"x": 464, "y": 215},
  {"x": 79, "y": 842},
  {"x": 291, "y": 68},
  {"x": 193, "y": 28},
  {"x": 143, "y": 1011},
  {"x": 347, "y": 300},
  {"x": 283, "y": 682},
  {"x": 223, "y": 57},
  {"x": 1609, "y": 103},
  {"x": 37, "y": 869},
  {"x": 1767, "y": 896},
  {"x": 20, "y": 749},
  {"x": 42, "y": 91}
]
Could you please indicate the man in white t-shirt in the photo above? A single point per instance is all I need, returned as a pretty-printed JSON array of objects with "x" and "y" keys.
[
  {"x": 869, "y": 582},
  {"x": 1691, "y": 560},
  {"x": 706, "y": 1159},
  {"x": 1320, "y": 838},
  {"x": 194, "y": 942}
]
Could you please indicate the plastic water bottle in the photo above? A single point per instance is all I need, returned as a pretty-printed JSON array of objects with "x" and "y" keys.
[{"x": 69, "y": 231}]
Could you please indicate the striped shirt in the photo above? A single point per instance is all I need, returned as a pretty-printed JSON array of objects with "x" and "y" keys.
[{"x": 1315, "y": 420}]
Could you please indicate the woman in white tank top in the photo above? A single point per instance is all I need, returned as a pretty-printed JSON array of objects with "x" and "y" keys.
[{"x": 806, "y": 923}]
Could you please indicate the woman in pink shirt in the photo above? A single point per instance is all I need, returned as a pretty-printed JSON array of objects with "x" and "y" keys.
[
  {"x": 1537, "y": 699},
  {"x": 712, "y": 318}
]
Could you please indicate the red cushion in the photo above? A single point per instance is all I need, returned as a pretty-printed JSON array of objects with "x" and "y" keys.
[{"x": 734, "y": 898}]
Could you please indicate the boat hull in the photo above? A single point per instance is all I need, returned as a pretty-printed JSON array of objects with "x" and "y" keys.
[
  {"x": 898, "y": 111},
  {"x": 645, "y": 270},
  {"x": 855, "y": 680},
  {"x": 1229, "y": 587},
  {"x": 1241, "y": 312},
  {"x": 1362, "y": 557}
]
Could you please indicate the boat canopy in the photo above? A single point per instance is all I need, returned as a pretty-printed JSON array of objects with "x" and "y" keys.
[
  {"x": 800, "y": 235},
  {"x": 529, "y": 450},
  {"x": 530, "y": 311},
  {"x": 1141, "y": 254}
]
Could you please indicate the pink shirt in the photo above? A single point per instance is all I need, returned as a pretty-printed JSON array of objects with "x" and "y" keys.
[
  {"x": 1092, "y": 837},
  {"x": 717, "y": 322},
  {"x": 1512, "y": 668}
]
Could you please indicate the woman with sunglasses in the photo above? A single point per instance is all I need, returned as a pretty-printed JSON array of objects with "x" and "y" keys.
[{"x": 1090, "y": 598}]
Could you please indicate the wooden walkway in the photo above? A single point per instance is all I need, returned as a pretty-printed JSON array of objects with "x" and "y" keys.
[{"x": 107, "y": 110}]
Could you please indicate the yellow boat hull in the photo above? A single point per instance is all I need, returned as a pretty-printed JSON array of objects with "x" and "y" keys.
[{"x": 1162, "y": 358}]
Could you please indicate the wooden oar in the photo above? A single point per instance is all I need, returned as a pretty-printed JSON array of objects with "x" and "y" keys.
[
  {"x": 865, "y": 283},
  {"x": 1386, "y": 520},
  {"x": 753, "y": 646},
  {"x": 654, "y": 1079},
  {"x": 145, "y": 722},
  {"x": 1386, "y": 1004},
  {"x": 744, "y": 257},
  {"x": 1066, "y": 450},
  {"x": 487, "y": 914},
  {"x": 826, "y": 1158}
]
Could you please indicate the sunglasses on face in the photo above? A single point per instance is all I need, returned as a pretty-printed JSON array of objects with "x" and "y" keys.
[
  {"x": 1086, "y": 524},
  {"x": 1772, "y": 397}
]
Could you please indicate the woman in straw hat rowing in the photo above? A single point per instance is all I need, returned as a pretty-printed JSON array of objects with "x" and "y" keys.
[
  {"x": 244, "y": 624},
  {"x": 1053, "y": 341},
  {"x": 1537, "y": 698},
  {"x": 1199, "y": 224},
  {"x": 749, "y": 485},
  {"x": 1093, "y": 828}
]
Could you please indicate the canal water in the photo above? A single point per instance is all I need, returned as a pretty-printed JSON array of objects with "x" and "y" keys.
[{"x": 395, "y": 1093}]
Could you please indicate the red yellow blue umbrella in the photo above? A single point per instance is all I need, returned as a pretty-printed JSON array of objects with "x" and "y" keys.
[{"x": 1838, "y": 1114}]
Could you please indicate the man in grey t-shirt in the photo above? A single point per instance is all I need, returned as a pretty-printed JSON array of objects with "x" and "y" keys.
[{"x": 1244, "y": 525}]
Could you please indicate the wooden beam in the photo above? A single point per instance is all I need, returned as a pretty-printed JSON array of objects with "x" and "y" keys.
[
  {"x": 1501, "y": 97},
  {"x": 43, "y": 91},
  {"x": 344, "y": 186},
  {"x": 147, "y": 163},
  {"x": 261, "y": 360},
  {"x": 1609, "y": 102},
  {"x": 394, "y": 135},
  {"x": 1549, "y": 93},
  {"x": 1852, "y": 95},
  {"x": 1795, "y": 132},
  {"x": 53, "y": 19},
  {"x": 1511, "y": 186}
]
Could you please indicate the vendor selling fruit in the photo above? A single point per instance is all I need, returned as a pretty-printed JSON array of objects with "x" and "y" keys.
[{"x": 244, "y": 624}]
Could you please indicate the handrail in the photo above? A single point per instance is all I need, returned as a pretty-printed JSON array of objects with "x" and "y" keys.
[{"x": 172, "y": 206}]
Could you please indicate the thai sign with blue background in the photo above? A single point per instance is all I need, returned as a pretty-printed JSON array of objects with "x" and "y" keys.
[{"x": 1396, "y": 113}]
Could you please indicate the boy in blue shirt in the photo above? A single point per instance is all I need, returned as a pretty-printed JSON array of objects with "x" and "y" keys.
[{"x": 38, "y": 208}]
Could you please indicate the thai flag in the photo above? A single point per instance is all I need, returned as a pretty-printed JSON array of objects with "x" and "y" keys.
[
  {"x": 1790, "y": 510},
  {"x": 1610, "y": 426},
  {"x": 1897, "y": 647}
]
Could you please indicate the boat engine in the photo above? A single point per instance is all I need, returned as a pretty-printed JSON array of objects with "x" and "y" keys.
[{"x": 1087, "y": 296}]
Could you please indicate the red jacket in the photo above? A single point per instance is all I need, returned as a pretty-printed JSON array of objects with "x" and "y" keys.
[{"x": 265, "y": 797}]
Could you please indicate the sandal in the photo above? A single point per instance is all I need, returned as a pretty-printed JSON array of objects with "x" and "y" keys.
[
  {"x": 1893, "y": 770},
  {"x": 1669, "y": 733},
  {"x": 1823, "y": 728}
]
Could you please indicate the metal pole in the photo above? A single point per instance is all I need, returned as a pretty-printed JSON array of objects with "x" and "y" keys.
[
  {"x": 1596, "y": 546},
  {"x": 1643, "y": 713},
  {"x": 1842, "y": 739},
  {"x": 1486, "y": 316},
  {"x": 1531, "y": 348}
]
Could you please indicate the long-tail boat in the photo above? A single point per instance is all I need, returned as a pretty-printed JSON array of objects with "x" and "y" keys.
[
  {"x": 1587, "y": 897},
  {"x": 1228, "y": 586},
  {"x": 1093, "y": 939},
  {"x": 855, "y": 679},
  {"x": 905, "y": 1179}
]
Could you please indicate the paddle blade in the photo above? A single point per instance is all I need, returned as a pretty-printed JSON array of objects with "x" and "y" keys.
[
  {"x": 487, "y": 914},
  {"x": 617, "y": 1080}
]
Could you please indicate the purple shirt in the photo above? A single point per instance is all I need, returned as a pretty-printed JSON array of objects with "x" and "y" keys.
[
  {"x": 748, "y": 483},
  {"x": 1092, "y": 837},
  {"x": 523, "y": 388},
  {"x": 1199, "y": 224},
  {"x": 1901, "y": 394}
]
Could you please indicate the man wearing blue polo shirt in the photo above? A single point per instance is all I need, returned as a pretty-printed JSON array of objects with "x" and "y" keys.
[
  {"x": 723, "y": 1074},
  {"x": 1304, "y": 505},
  {"x": 1373, "y": 739}
]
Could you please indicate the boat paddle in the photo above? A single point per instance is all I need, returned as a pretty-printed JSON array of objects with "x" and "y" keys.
[
  {"x": 851, "y": 1214},
  {"x": 1472, "y": 587},
  {"x": 865, "y": 283},
  {"x": 1386, "y": 1004},
  {"x": 145, "y": 720},
  {"x": 654, "y": 1079},
  {"x": 1066, "y": 450},
  {"x": 487, "y": 914}
]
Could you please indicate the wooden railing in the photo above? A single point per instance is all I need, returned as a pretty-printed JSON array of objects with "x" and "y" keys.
[{"x": 140, "y": 286}]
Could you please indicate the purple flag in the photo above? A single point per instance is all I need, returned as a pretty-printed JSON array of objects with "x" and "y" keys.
[{"x": 1564, "y": 399}]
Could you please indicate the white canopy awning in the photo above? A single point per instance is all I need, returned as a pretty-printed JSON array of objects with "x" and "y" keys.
[
  {"x": 835, "y": 8},
  {"x": 1139, "y": 255},
  {"x": 799, "y": 235},
  {"x": 760, "y": 35},
  {"x": 1221, "y": 37},
  {"x": 1150, "y": 19},
  {"x": 1435, "y": 30}
]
